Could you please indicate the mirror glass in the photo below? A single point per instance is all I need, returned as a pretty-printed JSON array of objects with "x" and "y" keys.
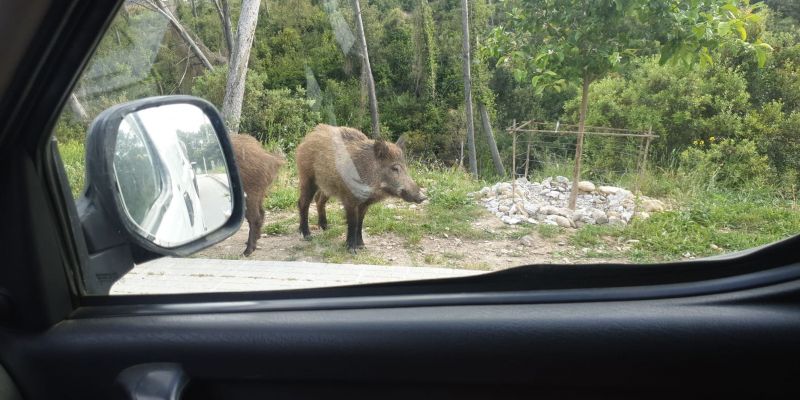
[{"x": 171, "y": 174}]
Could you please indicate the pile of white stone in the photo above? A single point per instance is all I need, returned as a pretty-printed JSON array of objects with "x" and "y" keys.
[{"x": 546, "y": 202}]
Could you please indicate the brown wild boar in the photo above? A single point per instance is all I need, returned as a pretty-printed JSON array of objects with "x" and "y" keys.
[
  {"x": 343, "y": 163},
  {"x": 257, "y": 170}
]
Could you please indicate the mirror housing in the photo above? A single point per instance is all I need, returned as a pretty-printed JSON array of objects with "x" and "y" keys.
[{"x": 116, "y": 237}]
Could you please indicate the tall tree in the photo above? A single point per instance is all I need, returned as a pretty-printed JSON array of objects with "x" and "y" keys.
[
  {"x": 480, "y": 82},
  {"x": 237, "y": 69},
  {"x": 224, "y": 11},
  {"x": 555, "y": 43},
  {"x": 426, "y": 52},
  {"x": 466, "y": 61},
  {"x": 370, "y": 81}
]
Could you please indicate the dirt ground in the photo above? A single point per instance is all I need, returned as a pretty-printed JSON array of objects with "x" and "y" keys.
[{"x": 442, "y": 251}]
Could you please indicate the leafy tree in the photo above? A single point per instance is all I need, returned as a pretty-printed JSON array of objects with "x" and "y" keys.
[{"x": 555, "y": 43}]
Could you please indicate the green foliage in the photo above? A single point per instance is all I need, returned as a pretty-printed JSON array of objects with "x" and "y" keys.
[
  {"x": 678, "y": 103},
  {"x": 426, "y": 51},
  {"x": 446, "y": 188},
  {"x": 557, "y": 43},
  {"x": 724, "y": 220},
  {"x": 73, "y": 155},
  {"x": 281, "y": 116},
  {"x": 726, "y": 163},
  {"x": 68, "y": 129}
]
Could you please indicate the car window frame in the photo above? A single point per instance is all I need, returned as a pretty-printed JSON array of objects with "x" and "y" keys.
[{"x": 528, "y": 283}]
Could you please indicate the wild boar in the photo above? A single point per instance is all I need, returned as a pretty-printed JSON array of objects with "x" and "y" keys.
[
  {"x": 257, "y": 170},
  {"x": 342, "y": 162}
]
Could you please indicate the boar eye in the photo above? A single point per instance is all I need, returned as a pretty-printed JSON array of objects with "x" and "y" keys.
[{"x": 396, "y": 168}]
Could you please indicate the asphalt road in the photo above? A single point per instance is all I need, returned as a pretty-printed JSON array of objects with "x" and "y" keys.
[
  {"x": 215, "y": 199},
  {"x": 196, "y": 275}
]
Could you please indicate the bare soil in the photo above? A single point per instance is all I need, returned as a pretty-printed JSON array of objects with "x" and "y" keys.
[{"x": 503, "y": 252}]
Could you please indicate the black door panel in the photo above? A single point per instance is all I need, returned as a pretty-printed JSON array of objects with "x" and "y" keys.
[{"x": 557, "y": 349}]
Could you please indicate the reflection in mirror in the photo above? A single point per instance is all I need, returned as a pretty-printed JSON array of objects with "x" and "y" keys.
[{"x": 171, "y": 174}]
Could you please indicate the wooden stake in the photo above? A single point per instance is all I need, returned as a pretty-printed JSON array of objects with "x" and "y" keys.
[
  {"x": 514, "y": 162},
  {"x": 644, "y": 159},
  {"x": 528, "y": 156}
]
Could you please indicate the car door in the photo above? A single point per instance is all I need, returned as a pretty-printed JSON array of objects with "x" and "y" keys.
[{"x": 715, "y": 327}]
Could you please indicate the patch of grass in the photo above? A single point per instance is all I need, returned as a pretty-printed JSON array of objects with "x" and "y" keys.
[
  {"x": 432, "y": 259},
  {"x": 445, "y": 187},
  {"x": 548, "y": 231},
  {"x": 430, "y": 220},
  {"x": 282, "y": 227},
  {"x": 726, "y": 221},
  {"x": 284, "y": 192},
  {"x": 552, "y": 168},
  {"x": 594, "y": 235},
  {"x": 516, "y": 232},
  {"x": 73, "y": 154},
  {"x": 282, "y": 198},
  {"x": 337, "y": 253},
  {"x": 478, "y": 266},
  {"x": 453, "y": 256}
]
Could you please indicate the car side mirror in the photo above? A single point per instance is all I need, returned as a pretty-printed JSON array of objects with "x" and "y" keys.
[{"x": 161, "y": 179}]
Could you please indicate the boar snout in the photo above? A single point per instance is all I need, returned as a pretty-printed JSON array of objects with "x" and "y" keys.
[{"x": 414, "y": 195}]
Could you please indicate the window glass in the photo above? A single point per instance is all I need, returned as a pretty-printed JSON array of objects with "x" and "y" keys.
[{"x": 571, "y": 132}]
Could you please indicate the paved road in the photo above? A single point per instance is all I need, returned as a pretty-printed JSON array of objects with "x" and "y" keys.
[
  {"x": 215, "y": 199},
  {"x": 194, "y": 275}
]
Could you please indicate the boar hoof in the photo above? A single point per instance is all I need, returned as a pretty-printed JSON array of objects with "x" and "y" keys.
[
  {"x": 247, "y": 252},
  {"x": 351, "y": 250},
  {"x": 323, "y": 226}
]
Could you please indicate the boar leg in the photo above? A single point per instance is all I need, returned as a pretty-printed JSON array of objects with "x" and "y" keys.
[
  {"x": 321, "y": 200},
  {"x": 254, "y": 214},
  {"x": 362, "y": 211},
  {"x": 255, "y": 219},
  {"x": 307, "y": 190},
  {"x": 352, "y": 214}
]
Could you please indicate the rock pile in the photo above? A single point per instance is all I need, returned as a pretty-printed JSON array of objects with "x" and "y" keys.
[{"x": 546, "y": 202}]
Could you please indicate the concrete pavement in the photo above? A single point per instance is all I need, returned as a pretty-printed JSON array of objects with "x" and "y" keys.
[{"x": 195, "y": 275}]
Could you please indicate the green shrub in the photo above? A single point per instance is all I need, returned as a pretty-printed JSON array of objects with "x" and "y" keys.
[
  {"x": 445, "y": 187},
  {"x": 278, "y": 116},
  {"x": 727, "y": 164},
  {"x": 73, "y": 154}
]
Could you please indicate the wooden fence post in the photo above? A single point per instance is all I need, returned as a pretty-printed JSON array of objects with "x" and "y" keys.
[
  {"x": 528, "y": 155},
  {"x": 643, "y": 166},
  {"x": 514, "y": 161}
]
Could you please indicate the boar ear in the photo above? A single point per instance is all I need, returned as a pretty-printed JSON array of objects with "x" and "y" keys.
[
  {"x": 381, "y": 149},
  {"x": 401, "y": 142}
]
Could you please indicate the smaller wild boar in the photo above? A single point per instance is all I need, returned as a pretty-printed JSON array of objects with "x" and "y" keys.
[
  {"x": 257, "y": 170},
  {"x": 342, "y": 162}
]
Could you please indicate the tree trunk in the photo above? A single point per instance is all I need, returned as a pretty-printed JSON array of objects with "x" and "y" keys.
[
  {"x": 373, "y": 99},
  {"x": 576, "y": 174},
  {"x": 237, "y": 70},
  {"x": 78, "y": 109},
  {"x": 473, "y": 164},
  {"x": 159, "y": 5},
  {"x": 487, "y": 130},
  {"x": 224, "y": 11}
]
